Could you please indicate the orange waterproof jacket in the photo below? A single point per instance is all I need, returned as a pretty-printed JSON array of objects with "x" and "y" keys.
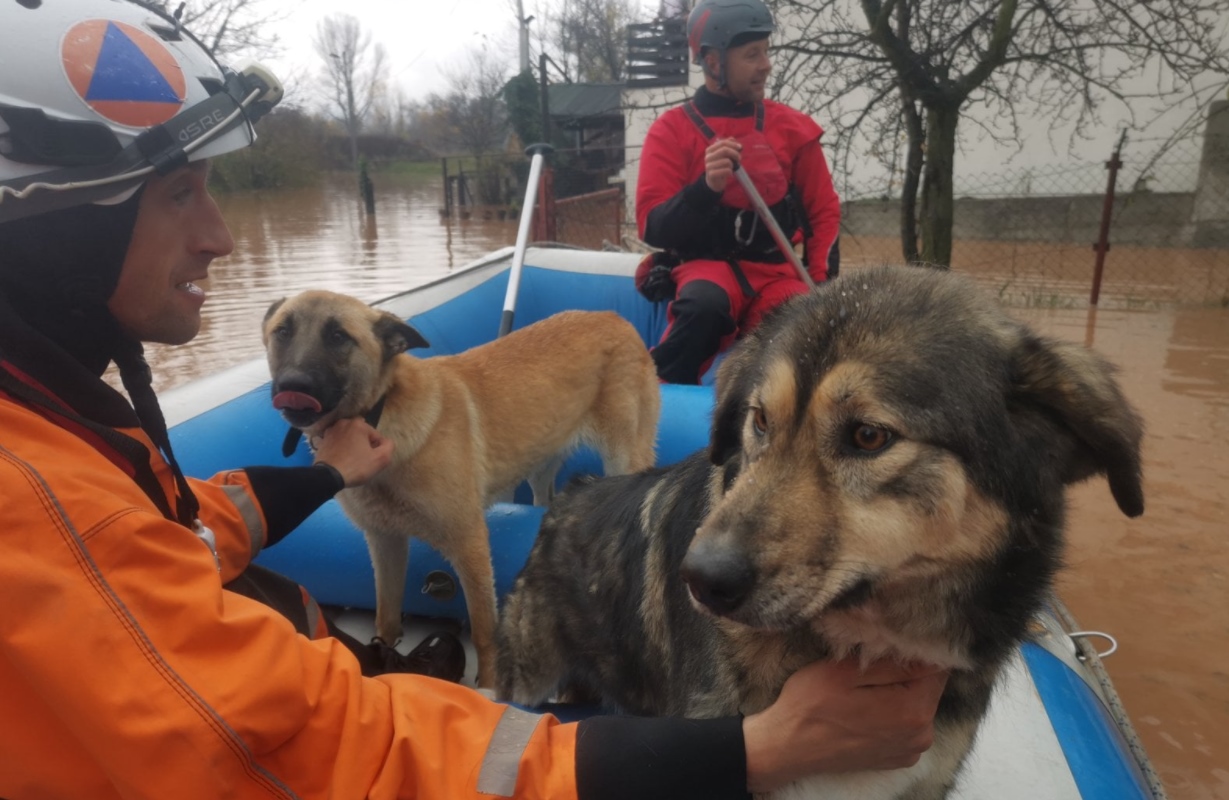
[{"x": 127, "y": 671}]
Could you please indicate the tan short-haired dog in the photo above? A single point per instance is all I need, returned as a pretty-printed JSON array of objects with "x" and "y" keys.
[{"x": 466, "y": 428}]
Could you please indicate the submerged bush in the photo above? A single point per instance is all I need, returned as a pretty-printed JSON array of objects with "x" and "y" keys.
[{"x": 289, "y": 151}]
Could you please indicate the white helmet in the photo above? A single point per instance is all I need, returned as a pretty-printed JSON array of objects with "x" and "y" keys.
[{"x": 97, "y": 94}]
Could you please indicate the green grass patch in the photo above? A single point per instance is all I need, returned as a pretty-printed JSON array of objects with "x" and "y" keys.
[{"x": 409, "y": 168}]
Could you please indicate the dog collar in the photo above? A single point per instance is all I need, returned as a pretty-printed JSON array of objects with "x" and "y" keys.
[{"x": 372, "y": 418}]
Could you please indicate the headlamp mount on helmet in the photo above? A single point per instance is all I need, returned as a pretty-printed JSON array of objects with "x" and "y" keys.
[{"x": 88, "y": 158}]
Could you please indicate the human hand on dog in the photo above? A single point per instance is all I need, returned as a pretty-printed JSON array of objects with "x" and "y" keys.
[
  {"x": 355, "y": 449},
  {"x": 837, "y": 717},
  {"x": 719, "y": 160}
]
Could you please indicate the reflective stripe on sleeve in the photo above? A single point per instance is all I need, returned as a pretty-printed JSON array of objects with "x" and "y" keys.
[
  {"x": 251, "y": 515},
  {"x": 316, "y": 626},
  {"x": 502, "y": 762}
]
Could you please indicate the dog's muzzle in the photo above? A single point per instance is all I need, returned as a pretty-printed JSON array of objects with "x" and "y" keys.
[
  {"x": 296, "y": 395},
  {"x": 719, "y": 577}
]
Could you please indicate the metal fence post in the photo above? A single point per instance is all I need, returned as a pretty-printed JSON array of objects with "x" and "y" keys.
[
  {"x": 447, "y": 188},
  {"x": 544, "y": 98},
  {"x": 544, "y": 222},
  {"x": 1102, "y": 245},
  {"x": 617, "y": 241}
]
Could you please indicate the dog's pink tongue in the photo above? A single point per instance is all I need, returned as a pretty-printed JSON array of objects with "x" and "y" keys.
[{"x": 296, "y": 401}]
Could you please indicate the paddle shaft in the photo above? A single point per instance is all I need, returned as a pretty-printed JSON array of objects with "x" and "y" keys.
[
  {"x": 522, "y": 238},
  {"x": 778, "y": 235}
]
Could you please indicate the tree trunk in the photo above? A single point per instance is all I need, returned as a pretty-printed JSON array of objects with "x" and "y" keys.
[
  {"x": 937, "y": 213},
  {"x": 352, "y": 122},
  {"x": 914, "y": 159}
]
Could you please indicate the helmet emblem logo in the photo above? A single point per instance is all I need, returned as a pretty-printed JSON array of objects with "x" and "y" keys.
[{"x": 122, "y": 73}]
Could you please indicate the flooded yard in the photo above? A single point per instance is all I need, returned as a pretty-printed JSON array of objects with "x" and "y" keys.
[{"x": 1160, "y": 583}]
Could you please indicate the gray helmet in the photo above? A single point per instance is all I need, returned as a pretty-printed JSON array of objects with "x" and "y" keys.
[{"x": 716, "y": 23}]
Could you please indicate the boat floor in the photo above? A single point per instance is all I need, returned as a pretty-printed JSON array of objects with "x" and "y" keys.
[{"x": 1017, "y": 755}]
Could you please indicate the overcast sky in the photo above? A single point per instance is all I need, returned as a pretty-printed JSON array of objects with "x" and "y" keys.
[
  {"x": 425, "y": 38},
  {"x": 422, "y": 37}
]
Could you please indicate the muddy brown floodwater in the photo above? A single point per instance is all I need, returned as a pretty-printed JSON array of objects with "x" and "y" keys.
[
  {"x": 320, "y": 238},
  {"x": 1159, "y": 584}
]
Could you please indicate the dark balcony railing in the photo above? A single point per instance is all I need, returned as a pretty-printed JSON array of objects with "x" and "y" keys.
[{"x": 657, "y": 53}]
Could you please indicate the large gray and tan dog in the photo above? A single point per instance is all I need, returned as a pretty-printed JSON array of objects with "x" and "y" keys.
[
  {"x": 885, "y": 476},
  {"x": 466, "y": 428}
]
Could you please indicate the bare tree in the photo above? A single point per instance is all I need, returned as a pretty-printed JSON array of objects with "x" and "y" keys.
[
  {"x": 426, "y": 121},
  {"x": 227, "y": 27},
  {"x": 390, "y": 111},
  {"x": 354, "y": 72},
  {"x": 587, "y": 38},
  {"x": 474, "y": 105},
  {"x": 883, "y": 71}
]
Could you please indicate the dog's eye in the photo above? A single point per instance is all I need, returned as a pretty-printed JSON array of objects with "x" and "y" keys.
[
  {"x": 338, "y": 336},
  {"x": 870, "y": 438},
  {"x": 759, "y": 421},
  {"x": 281, "y": 331}
]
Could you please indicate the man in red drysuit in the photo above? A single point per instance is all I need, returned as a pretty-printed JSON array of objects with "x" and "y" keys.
[{"x": 721, "y": 267}]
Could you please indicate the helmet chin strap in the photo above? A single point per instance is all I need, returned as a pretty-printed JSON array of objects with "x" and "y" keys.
[{"x": 718, "y": 74}]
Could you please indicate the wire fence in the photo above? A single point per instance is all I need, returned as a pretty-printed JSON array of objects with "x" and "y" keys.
[
  {"x": 1154, "y": 215},
  {"x": 1147, "y": 226}
]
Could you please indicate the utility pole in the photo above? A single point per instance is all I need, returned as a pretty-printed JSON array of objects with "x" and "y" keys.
[
  {"x": 544, "y": 97},
  {"x": 522, "y": 25}
]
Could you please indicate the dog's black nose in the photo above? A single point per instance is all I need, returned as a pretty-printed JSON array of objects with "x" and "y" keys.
[
  {"x": 294, "y": 381},
  {"x": 718, "y": 576}
]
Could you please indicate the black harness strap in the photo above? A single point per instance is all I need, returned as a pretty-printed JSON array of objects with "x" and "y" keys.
[
  {"x": 795, "y": 198},
  {"x": 694, "y": 114},
  {"x": 697, "y": 119},
  {"x": 372, "y": 417},
  {"x": 291, "y": 442},
  {"x": 741, "y": 277},
  {"x": 137, "y": 378}
]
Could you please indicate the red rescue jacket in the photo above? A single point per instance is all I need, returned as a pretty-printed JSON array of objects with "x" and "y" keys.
[{"x": 676, "y": 210}]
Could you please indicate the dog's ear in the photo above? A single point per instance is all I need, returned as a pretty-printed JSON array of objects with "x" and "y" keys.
[
  {"x": 396, "y": 336},
  {"x": 1076, "y": 387},
  {"x": 272, "y": 310},
  {"x": 735, "y": 381}
]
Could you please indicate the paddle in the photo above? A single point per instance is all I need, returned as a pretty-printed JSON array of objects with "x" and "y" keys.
[
  {"x": 778, "y": 235},
  {"x": 537, "y": 153}
]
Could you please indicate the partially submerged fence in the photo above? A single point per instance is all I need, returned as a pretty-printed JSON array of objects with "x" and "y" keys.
[
  {"x": 1154, "y": 216},
  {"x": 577, "y": 203}
]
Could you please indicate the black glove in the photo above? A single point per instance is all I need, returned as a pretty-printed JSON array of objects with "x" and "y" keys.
[
  {"x": 656, "y": 283},
  {"x": 659, "y": 285}
]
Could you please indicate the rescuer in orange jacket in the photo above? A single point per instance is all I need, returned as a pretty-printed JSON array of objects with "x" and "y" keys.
[
  {"x": 141, "y": 654},
  {"x": 721, "y": 268}
]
